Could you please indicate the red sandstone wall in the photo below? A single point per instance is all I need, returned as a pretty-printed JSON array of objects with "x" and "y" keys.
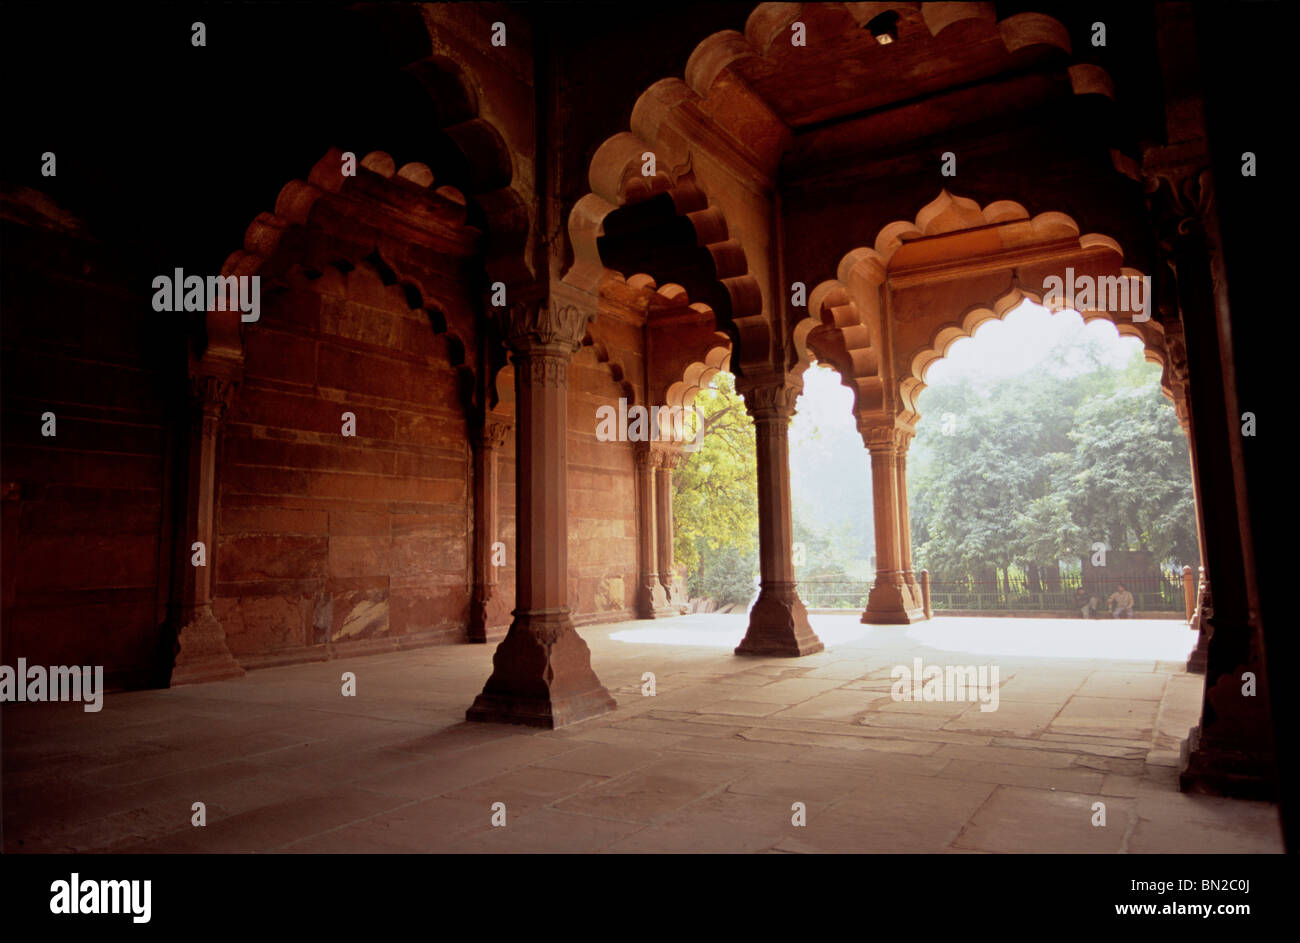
[
  {"x": 324, "y": 539},
  {"x": 602, "y": 500},
  {"x": 83, "y": 519}
]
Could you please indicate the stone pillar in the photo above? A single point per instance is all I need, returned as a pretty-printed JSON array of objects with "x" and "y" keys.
[
  {"x": 651, "y": 600},
  {"x": 891, "y": 601},
  {"x": 541, "y": 671},
  {"x": 1202, "y": 624},
  {"x": 1230, "y": 751},
  {"x": 925, "y": 593},
  {"x": 1176, "y": 371},
  {"x": 489, "y": 615},
  {"x": 669, "y": 460},
  {"x": 201, "y": 652},
  {"x": 778, "y": 622},
  {"x": 905, "y": 525}
]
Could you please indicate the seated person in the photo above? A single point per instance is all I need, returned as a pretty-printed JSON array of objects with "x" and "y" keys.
[
  {"x": 1087, "y": 603},
  {"x": 1121, "y": 603}
]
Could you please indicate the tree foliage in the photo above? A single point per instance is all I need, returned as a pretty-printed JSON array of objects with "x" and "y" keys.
[
  {"x": 1038, "y": 467},
  {"x": 715, "y": 502}
]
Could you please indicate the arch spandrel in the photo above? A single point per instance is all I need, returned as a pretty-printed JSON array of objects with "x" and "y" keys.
[{"x": 896, "y": 308}]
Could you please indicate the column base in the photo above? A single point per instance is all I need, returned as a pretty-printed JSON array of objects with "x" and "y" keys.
[
  {"x": 489, "y": 621},
  {"x": 1202, "y": 623},
  {"x": 893, "y": 603},
  {"x": 778, "y": 625},
  {"x": 1231, "y": 751},
  {"x": 541, "y": 676},
  {"x": 914, "y": 588},
  {"x": 1220, "y": 770},
  {"x": 676, "y": 596},
  {"x": 652, "y": 602},
  {"x": 202, "y": 654}
]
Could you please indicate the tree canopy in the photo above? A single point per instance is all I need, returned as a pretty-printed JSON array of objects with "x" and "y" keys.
[
  {"x": 715, "y": 500},
  {"x": 1034, "y": 469}
]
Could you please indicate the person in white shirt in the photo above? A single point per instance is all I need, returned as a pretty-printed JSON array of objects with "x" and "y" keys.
[{"x": 1121, "y": 603}]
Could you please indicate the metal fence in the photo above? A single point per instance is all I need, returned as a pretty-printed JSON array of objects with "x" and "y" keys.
[{"x": 1150, "y": 594}]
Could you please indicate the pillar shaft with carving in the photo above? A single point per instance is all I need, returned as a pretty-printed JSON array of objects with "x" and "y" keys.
[
  {"x": 201, "y": 652},
  {"x": 1178, "y": 382},
  {"x": 669, "y": 460},
  {"x": 1231, "y": 750},
  {"x": 651, "y": 601},
  {"x": 778, "y": 622},
  {"x": 891, "y": 601},
  {"x": 541, "y": 671},
  {"x": 489, "y": 614},
  {"x": 905, "y": 525}
]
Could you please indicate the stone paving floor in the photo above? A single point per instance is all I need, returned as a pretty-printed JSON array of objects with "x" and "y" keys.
[{"x": 713, "y": 762}]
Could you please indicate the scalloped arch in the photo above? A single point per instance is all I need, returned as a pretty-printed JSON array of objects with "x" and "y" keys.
[
  {"x": 698, "y": 375},
  {"x": 849, "y": 304},
  {"x": 617, "y": 371},
  {"x": 371, "y": 281},
  {"x": 616, "y": 180},
  {"x": 911, "y": 386}
]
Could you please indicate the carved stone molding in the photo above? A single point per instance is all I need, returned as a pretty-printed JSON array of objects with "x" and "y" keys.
[
  {"x": 533, "y": 325},
  {"x": 647, "y": 457},
  {"x": 1176, "y": 353},
  {"x": 670, "y": 457},
  {"x": 886, "y": 439},
  {"x": 213, "y": 395},
  {"x": 1179, "y": 196},
  {"x": 543, "y": 366},
  {"x": 493, "y": 434},
  {"x": 770, "y": 400}
]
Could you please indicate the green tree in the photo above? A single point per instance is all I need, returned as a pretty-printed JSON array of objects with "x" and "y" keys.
[
  {"x": 715, "y": 501},
  {"x": 1037, "y": 467}
]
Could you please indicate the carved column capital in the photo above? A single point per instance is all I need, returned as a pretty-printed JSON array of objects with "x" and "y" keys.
[
  {"x": 770, "y": 399},
  {"x": 647, "y": 457},
  {"x": 1179, "y": 193},
  {"x": 494, "y": 433},
  {"x": 534, "y": 327},
  {"x": 669, "y": 458},
  {"x": 213, "y": 395},
  {"x": 889, "y": 439}
]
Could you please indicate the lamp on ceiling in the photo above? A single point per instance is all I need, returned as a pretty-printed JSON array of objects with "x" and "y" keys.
[{"x": 884, "y": 27}]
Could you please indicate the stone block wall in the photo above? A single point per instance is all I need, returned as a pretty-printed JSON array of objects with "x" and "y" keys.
[
  {"x": 84, "y": 558},
  {"x": 602, "y": 500},
  {"x": 324, "y": 543},
  {"x": 327, "y": 539}
]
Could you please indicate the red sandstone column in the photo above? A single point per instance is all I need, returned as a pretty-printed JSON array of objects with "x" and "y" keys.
[
  {"x": 669, "y": 460},
  {"x": 905, "y": 526},
  {"x": 778, "y": 622},
  {"x": 541, "y": 672},
  {"x": 489, "y": 613},
  {"x": 650, "y": 598},
  {"x": 201, "y": 652},
  {"x": 1176, "y": 363},
  {"x": 890, "y": 601}
]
